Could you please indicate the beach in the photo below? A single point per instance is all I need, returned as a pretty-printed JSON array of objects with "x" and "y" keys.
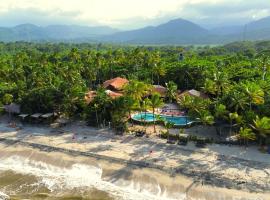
[{"x": 226, "y": 172}]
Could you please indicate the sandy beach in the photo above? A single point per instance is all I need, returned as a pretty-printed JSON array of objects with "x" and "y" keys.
[{"x": 228, "y": 167}]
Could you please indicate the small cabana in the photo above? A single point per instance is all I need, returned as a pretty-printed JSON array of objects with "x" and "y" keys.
[
  {"x": 48, "y": 117},
  {"x": 161, "y": 90},
  {"x": 23, "y": 117},
  {"x": 36, "y": 117},
  {"x": 193, "y": 93}
]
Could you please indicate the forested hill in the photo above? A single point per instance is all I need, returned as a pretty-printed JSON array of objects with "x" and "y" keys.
[
  {"x": 178, "y": 31},
  {"x": 30, "y": 32}
]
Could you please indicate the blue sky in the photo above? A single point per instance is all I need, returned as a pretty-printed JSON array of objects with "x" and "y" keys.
[{"x": 130, "y": 14}]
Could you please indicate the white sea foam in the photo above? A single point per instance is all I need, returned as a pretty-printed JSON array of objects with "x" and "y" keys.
[
  {"x": 3, "y": 196},
  {"x": 81, "y": 175}
]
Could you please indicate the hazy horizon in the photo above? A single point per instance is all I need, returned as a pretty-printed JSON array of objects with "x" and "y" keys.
[{"x": 131, "y": 14}]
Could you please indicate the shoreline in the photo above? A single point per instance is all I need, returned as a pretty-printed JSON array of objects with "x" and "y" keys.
[
  {"x": 181, "y": 161},
  {"x": 206, "y": 178}
]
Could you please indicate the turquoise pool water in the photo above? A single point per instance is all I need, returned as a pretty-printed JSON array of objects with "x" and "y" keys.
[{"x": 149, "y": 117}]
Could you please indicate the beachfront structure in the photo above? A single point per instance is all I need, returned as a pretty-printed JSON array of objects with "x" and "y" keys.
[
  {"x": 115, "y": 84},
  {"x": 161, "y": 90},
  {"x": 114, "y": 89},
  {"x": 193, "y": 93}
]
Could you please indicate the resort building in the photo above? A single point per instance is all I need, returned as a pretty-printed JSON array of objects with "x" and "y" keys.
[
  {"x": 115, "y": 84},
  {"x": 114, "y": 89}
]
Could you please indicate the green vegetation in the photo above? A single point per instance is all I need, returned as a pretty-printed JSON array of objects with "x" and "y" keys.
[{"x": 55, "y": 77}]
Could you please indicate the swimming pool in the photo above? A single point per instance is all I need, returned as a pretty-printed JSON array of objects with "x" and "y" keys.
[{"x": 149, "y": 117}]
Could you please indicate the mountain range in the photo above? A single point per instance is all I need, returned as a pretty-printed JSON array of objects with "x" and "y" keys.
[{"x": 177, "y": 31}]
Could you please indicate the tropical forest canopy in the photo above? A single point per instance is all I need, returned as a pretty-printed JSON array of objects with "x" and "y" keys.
[{"x": 54, "y": 77}]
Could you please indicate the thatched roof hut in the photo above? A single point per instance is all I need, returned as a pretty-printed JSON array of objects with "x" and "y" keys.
[
  {"x": 193, "y": 93},
  {"x": 115, "y": 84}
]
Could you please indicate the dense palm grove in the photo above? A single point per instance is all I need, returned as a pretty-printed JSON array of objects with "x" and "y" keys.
[{"x": 55, "y": 77}]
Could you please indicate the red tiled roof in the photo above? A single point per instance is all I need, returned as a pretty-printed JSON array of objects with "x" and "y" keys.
[
  {"x": 194, "y": 93},
  {"x": 116, "y": 83},
  {"x": 89, "y": 96},
  {"x": 113, "y": 95}
]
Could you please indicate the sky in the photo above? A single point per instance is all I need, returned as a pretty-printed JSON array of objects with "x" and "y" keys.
[{"x": 131, "y": 14}]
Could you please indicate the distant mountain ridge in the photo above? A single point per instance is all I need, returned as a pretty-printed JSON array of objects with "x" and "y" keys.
[
  {"x": 30, "y": 32},
  {"x": 174, "y": 31},
  {"x": 177, "y": 31}
]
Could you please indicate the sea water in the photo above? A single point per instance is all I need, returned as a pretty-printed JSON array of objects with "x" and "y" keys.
[{"x": 25, "y": 176}]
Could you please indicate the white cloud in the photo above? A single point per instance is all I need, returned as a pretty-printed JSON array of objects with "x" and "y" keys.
[{"x": 121, "y": 12}]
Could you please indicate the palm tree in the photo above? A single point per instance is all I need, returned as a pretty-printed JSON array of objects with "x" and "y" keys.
[
  {"x": 98, "y": 64},
  {"x": 264, "y": 62},
  {"x": 209, "y": 87},
  {"x": 246, "y": 134},
  {"x": 168, "y": 125},
  {"x": 155, "y": 102},
  {"x": 96, "y": 107},
  {"x": 171, "y": 90},
  {"x": 217, "y": 84},
  {"x": 159, "y": 70},
  {"x": 232, "y": 117},
  {"x": 221, "y": 111},
  {"x": 262, "y": 125},
  {"x": 206, "y": 118},
  {"x": 101, "y": 102},
  {"x": 254, "y": 93},
  {"x": 137, "y": 90},
  {"x": 238, "y": 100},
  {"x": 221, "y": 80},
  {"x": 129, "y": 104}
]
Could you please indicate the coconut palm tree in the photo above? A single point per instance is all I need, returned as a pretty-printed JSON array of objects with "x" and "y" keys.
[
  {"x": 171, "y": 90},
  {"x": 155, "y": 102},
  {"x": 254, "y": 93},
  {"x": 168, "y": 125},
  {"x": 238, "y": 100},
  {"x": 233, "y": 117},
  {"x": 246, "y": 134},
  {"x": 129, "y": 105},
  {"x": 264, "y": 62},
  {"x": 262, "y": 125},
  {"x": 206, "y": 117},
  {"x": 137, "y": 90},
  {"x": 159, "y": 70}
]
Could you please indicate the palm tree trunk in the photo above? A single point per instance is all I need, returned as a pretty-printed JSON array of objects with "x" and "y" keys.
[
  {"x": 129, "y": 113},
  {"x": 152, "y": 74},
  {"x": 154, "y": 120},
  {"x": 96, "y": 117},
  {"x": 230, "y": 128}
]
